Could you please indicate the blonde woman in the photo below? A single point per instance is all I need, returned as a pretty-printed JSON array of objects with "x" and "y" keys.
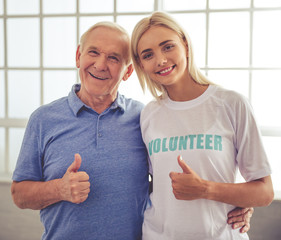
[{"x": 197, "y": 135}]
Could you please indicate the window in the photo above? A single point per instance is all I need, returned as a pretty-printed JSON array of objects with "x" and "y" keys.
[{"x": 236, "y": 42}]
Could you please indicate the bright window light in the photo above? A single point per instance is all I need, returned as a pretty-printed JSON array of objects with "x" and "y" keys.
[{"x": 236, "y": 43}]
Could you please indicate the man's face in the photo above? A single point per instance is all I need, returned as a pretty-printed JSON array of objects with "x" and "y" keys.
[{"x": 102, "y": 63}]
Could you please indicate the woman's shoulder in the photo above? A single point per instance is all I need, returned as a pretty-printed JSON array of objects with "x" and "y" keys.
[
  {"x": 151, "y": 108},
  {"x": 232, "y": 100},
  {"x": 230, "y": 96}
]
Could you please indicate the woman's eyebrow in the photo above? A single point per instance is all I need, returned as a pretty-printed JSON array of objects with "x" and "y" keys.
[
  {"x": 164, "y": 42},
  {"x": 146, "y": 50},
  {"x": 160, "y": 44}
]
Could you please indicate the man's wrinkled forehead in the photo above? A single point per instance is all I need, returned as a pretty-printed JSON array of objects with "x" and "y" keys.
[{"x": 110, "y": 39}]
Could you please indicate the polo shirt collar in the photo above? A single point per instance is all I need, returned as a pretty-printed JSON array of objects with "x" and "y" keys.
[
  {"x": 119, "y": 103},
  {"x": 76, "y": 104}
]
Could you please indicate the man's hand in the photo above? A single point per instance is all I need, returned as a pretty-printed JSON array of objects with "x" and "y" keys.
[
  {"x": 187, "y": 185},
  {"x": 240, "y": 218},
  {"x": 74, "y": 185}
]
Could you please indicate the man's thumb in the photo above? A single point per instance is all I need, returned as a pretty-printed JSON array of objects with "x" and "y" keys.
[
  {"x": 185, "y": 168},
  {"x": 74, "y": 167}
]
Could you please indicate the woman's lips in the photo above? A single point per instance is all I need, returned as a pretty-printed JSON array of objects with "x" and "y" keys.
[{"x": 166, "y": 71}]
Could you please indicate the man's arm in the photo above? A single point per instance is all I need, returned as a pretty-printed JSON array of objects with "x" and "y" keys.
[
  {"x": 36, "y": 195},
  {"x": 240, "y": 218},
  {"x": 74, "y": 187}
]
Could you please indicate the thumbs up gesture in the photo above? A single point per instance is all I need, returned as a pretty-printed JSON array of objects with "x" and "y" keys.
[
  {"x": 75, "y": 186},
  {"x": 187, "y": 185}
]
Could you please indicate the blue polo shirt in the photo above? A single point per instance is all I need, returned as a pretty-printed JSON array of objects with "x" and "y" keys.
[{"x": 113, "y": 155}]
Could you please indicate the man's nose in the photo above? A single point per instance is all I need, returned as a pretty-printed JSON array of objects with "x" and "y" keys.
[{"x": 101, "y": 63}]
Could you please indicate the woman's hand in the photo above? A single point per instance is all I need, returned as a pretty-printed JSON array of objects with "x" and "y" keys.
[{"x": 187, "y": 185}]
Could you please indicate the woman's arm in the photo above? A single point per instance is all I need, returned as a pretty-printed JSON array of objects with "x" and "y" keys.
[
  {"x": 256, "y": 193},
  {"x": 189, "y": 186}
]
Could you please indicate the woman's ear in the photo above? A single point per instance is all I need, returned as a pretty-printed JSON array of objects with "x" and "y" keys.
[
  {"x": 129, "y": 72},
  {"x": 139, "y": 63},
  {"x": 186, "y": 47}
]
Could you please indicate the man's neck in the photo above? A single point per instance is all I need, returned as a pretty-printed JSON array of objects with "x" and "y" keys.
[{"x": 97, "y": 103}]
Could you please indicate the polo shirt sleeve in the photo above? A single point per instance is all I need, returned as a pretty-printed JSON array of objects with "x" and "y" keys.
[{"x": 29, "y": 163}]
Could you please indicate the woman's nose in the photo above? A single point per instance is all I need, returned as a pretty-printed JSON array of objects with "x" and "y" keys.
[{"x": 162, "y": 60}]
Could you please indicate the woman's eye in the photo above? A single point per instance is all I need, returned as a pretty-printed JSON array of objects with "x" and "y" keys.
[
  {"x": 168, "y": 47},
  {"x": 147, "y": 56}
]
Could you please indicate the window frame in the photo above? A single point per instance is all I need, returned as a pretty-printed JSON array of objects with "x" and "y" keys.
[{"x": 7, "y": 123}]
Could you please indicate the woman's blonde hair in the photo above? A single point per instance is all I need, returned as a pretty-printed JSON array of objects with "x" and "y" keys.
[{"x": 164, "y": 20}]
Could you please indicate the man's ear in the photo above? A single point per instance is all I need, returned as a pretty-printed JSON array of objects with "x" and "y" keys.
[
  {"x": 78, "y": 54},
  {"x": 129, "y": 72}
]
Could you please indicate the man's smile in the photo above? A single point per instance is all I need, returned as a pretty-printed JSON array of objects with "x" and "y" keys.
[{"x": 100, "y": 78}]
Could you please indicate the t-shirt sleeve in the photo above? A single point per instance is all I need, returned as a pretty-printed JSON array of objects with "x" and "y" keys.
[
  {"x": 144, "y": 118},
  {"x": 251, "y": 156}
]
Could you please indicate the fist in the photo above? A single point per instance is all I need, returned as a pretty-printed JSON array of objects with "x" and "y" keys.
[
  {"x": 187, "y": 185},
  {"x": 75, "y": 185}
]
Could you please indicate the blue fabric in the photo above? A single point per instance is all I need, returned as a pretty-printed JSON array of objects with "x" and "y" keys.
[{"x": 113, "y": 154}]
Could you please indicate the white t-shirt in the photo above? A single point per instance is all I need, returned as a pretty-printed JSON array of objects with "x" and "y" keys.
[{"x": 216, "y": 134}]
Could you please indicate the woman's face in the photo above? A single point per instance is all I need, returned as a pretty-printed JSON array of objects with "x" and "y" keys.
[{"x": 163, "y": 56}]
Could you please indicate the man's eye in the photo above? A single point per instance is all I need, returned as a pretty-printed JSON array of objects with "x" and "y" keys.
[
  {"x": 113, "y": 59},
  {"x": 93, "y": 52}
]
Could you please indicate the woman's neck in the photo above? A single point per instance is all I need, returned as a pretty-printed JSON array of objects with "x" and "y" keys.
[{"x": 186, "y": 91}]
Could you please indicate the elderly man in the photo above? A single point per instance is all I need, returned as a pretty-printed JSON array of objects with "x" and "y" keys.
[
  {"x": 83, "y": 162},
  {"x": 110, "y": 178}
]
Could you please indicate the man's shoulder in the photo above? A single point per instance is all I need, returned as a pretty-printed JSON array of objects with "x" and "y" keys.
[
  {"x": 46, "y": 110},
  {"x": 131, "y": 104}
]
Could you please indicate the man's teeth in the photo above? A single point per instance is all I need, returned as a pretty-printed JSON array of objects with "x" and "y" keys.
[{"x": 166, "y": 70}]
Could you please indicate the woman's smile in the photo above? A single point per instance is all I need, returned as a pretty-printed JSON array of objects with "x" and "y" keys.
[{"x": 166, "y": 71}]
